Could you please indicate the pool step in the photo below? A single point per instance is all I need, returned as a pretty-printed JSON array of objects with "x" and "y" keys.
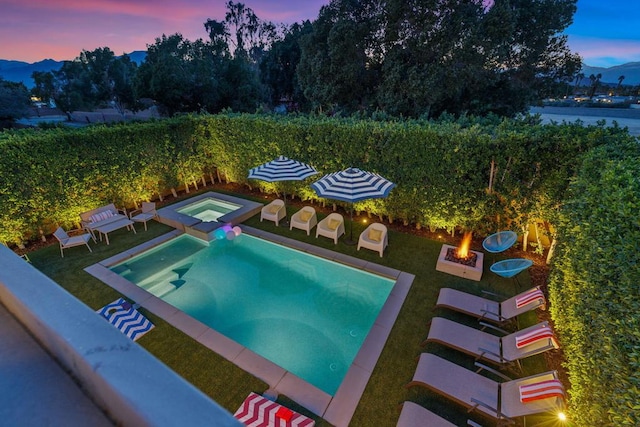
[{"x": 160, "y": 289}]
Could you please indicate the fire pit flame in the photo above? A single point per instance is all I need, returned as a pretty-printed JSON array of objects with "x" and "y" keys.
[{"x": 463, "y": 250}]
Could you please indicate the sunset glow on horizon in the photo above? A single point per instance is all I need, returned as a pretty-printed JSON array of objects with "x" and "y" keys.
[{"x": 602, "y": 32}]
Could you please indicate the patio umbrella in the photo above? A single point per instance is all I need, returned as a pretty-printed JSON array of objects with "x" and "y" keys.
[
  {"x": 282, "y": 169},
  {"x": 352, "y": 185}
]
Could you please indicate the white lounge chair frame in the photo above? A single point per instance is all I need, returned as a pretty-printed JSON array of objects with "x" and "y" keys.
[
  {"x": 297, "y": 222},
  {"x": 67, "y": 241},
  {"x": 413, "y": 415},
  {"x": 266, "y": 213},
  {"x": 486, "y": 309},
  {"x": 146, "y": 213},
  {"x": 323, "y": 227},
  {"x": 375, "y": 245},
  {"x": 486, "y": 346},
  {"x": 499, "y": 401}
]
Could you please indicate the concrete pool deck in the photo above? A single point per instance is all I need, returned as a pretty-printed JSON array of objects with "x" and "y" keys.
[{"x": 337, "y": 409}]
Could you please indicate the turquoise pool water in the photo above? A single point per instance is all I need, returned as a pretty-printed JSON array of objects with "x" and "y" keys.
[
  {"x": 304, "y": 313},
  {"x": 209, "y": 209}
]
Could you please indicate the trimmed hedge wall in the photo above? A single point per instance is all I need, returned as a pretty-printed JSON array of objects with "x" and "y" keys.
[
  {"x": 442, "y": 171},
  {"x": 595, "y": 287}
]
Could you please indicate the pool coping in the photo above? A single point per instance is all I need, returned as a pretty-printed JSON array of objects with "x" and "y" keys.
[{"x": 337, "y": 409}]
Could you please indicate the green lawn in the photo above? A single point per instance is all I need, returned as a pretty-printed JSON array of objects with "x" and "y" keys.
[{"x": 229, "y": 385}]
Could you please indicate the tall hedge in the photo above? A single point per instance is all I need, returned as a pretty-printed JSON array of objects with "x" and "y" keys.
[
  {"x": 595, "y": 287},
  {"x": 442, "y": 171}
]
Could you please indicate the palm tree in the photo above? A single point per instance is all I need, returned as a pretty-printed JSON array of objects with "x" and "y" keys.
[
  {"x": 579, "y": 78},
  {"x": 620, "y": 79},
  {"x": 595, "y": 79}
]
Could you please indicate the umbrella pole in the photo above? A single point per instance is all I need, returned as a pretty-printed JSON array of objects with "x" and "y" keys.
[
  {"x": 285, "y": 220},
  {"x": 350, "y": 241}
]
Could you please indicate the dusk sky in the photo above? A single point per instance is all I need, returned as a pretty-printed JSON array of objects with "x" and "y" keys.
[{"x": 604, "y": 33}]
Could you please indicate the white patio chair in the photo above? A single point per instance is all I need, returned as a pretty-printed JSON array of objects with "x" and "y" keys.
[
  {"x": 305, "y": 219},
  {"x": 274, "y": 211},
  {"x": 67, "y": 241},
  {"x": 332, "y": 227},
  {"x": 374, "y": 237},
  {"x": 146, "y": 213}
]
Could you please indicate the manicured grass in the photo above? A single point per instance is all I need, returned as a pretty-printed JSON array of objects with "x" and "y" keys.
[{"x": 229, "y": 385}]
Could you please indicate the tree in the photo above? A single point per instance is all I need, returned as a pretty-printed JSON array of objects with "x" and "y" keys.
[
  {"x": 620, "y": 79},
  {"x": 340, "y": 59},
  {"x": 278, "y": 66},
  {"x": 43, "y": 88},
  {"x": 14, "y": 102},
  {"x": 425, "y": 57},
  {"x": 94, "y": 79},
  {"x": 595, "y": 81}
]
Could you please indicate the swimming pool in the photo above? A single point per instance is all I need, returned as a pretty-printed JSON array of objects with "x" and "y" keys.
[
  {"x": 209, "y": 209},
  {"x": 304, "y": 313}
]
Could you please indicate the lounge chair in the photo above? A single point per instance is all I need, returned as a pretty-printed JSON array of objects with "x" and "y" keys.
[
  {"x": 486, "y": 309},
  {"x": 332, "y": 226},
  {"x": 146, "y": 213},
  {"x": 305, "y": 219},
  {"x": 374, "y": 237},
  {"x": 414, "y": 415},
  {"x": 506, "y": 350},
  {"x": 67, "y": 241},
  {"x": 274, "y": 211},
  {"x": 502, "y": 402}
]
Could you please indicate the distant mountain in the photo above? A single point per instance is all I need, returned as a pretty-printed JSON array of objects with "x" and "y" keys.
[
  {"x": 18, "y": 71},
  {"x": 630, "y": 71}
]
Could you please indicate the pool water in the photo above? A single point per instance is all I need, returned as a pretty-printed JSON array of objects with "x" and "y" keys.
[
  {"x": 304, "y": 313},
  {"x": 209, "y": 209}
]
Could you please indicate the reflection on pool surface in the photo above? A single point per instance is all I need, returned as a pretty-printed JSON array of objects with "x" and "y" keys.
[
  {"x": 209, "y": 209},
  {"x": 304, "y": 313}
]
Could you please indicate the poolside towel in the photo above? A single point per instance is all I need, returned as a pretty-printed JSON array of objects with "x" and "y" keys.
[
  {"x": 536, "y": 335},
  {"x": 541, "y": 390},
  {"x": 126, "y": 318},
  {"x": 533, "y": 295},
  {"x": 258, "y": 411}
]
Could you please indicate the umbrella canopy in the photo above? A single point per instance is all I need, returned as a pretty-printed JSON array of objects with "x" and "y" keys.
[
  {"x": 352, "y": 185},
  {"x": 282, "y": 169}
]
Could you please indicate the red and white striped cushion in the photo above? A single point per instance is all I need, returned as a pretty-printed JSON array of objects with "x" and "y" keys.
[
  {"x": 538, "y": 334},
  {"x": 541, "y": 390},
  {"x": 529, "y": 297}
]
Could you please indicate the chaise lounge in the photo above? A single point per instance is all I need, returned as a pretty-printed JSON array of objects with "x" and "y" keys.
[
  {"x": 502, "y": 402},
  {"x": 505, "y": 350},
  {"x": 486, "y": 309}
]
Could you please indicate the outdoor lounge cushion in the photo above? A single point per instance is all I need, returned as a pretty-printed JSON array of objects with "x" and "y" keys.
[
  {"x": 333, "y": 224},
  {"x": 375, "y": 235},
  {"x": 541, "y": 390}
]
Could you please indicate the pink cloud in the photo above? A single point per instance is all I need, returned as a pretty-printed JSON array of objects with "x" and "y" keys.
[{"x": 605, "y": 52}]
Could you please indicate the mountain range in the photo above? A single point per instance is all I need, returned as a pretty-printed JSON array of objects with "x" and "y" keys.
[{"x": 17, "y": 71}]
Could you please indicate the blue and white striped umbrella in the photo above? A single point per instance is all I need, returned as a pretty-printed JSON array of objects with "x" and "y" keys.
[
  {"x": 282, "y": 169},
  {"x": 352, "y": 185}
]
